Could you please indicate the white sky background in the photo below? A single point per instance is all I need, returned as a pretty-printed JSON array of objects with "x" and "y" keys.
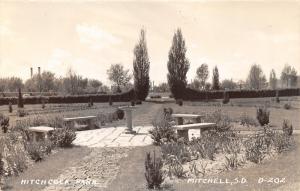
[{"x": 90, "y": 36}]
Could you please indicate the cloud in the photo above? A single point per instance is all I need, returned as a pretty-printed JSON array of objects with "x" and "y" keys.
[
  {"x": 95, "y": 37},
  {"x": 59, "y": 61}
]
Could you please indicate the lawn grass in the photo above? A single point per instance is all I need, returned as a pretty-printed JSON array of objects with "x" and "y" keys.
[{"x": 50, "y": 168}]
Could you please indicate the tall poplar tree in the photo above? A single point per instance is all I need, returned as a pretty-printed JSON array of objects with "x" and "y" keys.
[
  {"x": 141, "y": 65},
  {"x": 178, "y": 65}
]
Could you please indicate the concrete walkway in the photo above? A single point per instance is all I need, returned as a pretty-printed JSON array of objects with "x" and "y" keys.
[{"x": 114, "y": 137}]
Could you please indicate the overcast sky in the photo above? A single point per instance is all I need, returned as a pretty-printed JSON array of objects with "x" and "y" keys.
[{"x": 90, "y": 36}]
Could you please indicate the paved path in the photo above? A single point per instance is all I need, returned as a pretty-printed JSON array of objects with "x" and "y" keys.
[{"x": 114, "y": 137}]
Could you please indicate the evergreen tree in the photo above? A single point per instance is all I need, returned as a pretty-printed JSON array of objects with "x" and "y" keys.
[
  {"x": 178, "y": 65},
  {"x": 141, "y": 66},
  {"x": 20, "y": 99},
  {"x": 215, "y": 79}
]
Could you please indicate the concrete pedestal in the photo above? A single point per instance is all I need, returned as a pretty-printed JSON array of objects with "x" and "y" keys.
[{"x": 128, "y": 113}]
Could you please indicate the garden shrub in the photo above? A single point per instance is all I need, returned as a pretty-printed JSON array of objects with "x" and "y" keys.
[
  {"x": 277, "y": 97},
  {"x": 155, "y": 96},
  {"x": 63, "y": 137},
  {"x": 20, "y": 99},
  {"x": 222, "y": 121},
  {"x": 22, "y": 113},
  {"x": 287, "y": 106},
  {"x": 281, "y": 142},
  {"x": 120, "y": 114},
  {"x": 4, "y": 123},
  {"x": 132, "y": 103},
  {"x": 263, "y": 115},
  {"x": 179, "y": 102},
  {"x": 204, "y": 147},
  {"x": 246, "y": 120},
  {"x": 15, "y": 157},
  {"x": 225, "y": 98},
  {"x": 287, "y": 127},
  {"x": 138, "y": 102},
  {"x": 162, "y": 130},
  {"x": 35, "y": 151},
  {"x": 91, "y": 102},
  {"x": 154, "y": 173},
  {"x": 175, "y": 167},
  {"x": 254, "y": 149},
  {"x": 231, "y": 162},
  {"x": 177, "y": 149},
  {"x": 110, "y": 101},
  {"x": 10, "y": 108}
]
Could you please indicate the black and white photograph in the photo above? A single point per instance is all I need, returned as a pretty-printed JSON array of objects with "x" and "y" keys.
[{"x": 149, "y": 95}]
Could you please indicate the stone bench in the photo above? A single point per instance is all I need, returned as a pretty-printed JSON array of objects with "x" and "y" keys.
[
  {"x": 40, "y": 132},
  {"x": 180, "y": 118},
  {"x": 182, "y": 130},
  {"x": 72, "y": 122}
]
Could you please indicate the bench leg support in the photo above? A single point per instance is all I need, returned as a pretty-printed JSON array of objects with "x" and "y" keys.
[{"x": 183, "y": 133}]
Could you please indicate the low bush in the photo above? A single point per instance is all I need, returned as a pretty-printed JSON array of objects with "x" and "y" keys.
[
  {"x": 110, "y": 101},
  {"x": 155, "y": 96},
  {"x": 10, "y": 108},
  {"x": 204, "y": 147},
  {"x": 246, "y": 120},
  {"x": 263, "y": 115},
  {"x": 63, "y": 137},
  {"x": 37, "y": 150},
  {"x": 226, "y": 98},
  {"x": 231, "y": 162},
  {"x": 287, "y": 106},
  {"x": 175, "y": 167},
  {"x": 179, "y": 102},
  {"x": 132, "y": 103},
  {"x": 162, "y": 130},
  {"x": 120, "y": 113},
  {"x": 287, "y": 127},
  {"x": 154, "y": 173},
  {"x": 22, "y": 113},
  {"x": 138, "y": 102},
  {"x": 222, "y": 120},
  {"x": 177, "y": 149},
  {"x": 4, "y": 123},
  {"x": 255, "y": 149},
  {"x": 281, "y": 142}
]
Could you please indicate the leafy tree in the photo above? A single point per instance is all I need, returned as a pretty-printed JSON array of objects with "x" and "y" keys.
[
  {"x": 196, "y": 84},
  {"x": 256, "y": 78},
  {"x": 202, "y": 74},
  {"x": 74, "y": 83},
  {"x": 289, "y": 76},
  {"x": 141, "y": 68},
  {"x": 44, "y": 82},
  {"x": 229, "y": 84},
  {"x": 11, "y": 84},
  {"x": 215, "y": 79},
  {"x": 118, "y": 75},
  {"x": 162, "y": 87},
  {"x": 273, "y": 79},
  {"x": 178, "y": 65}
]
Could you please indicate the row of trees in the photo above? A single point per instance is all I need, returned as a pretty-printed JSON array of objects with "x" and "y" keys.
[
  {"x": 178, "y": 66},
  {"x": 72, "y": 83}
]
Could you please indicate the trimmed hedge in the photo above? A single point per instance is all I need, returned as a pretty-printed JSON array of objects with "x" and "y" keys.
[
  {"x": 121, "y": 97},
  {"x": 191, "y": 94}
]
